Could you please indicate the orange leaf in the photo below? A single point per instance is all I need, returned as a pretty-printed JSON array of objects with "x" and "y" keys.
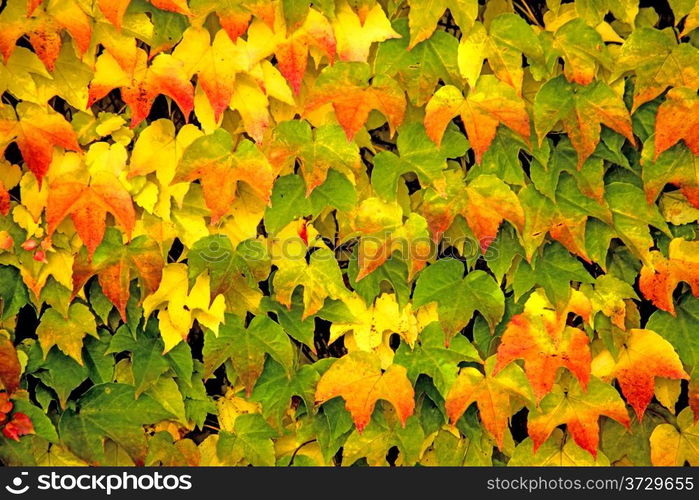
[
  {"x": 358, "y": 378},
  {"x": 88, "y": 206},
  {"x": 658, "y": 282},
  {"x": 36, "y": 133},
  {"x": 114, "y": 10},
  {"x": 494, "y": 395},
  {"x": 10, "y": 369},
  {"x": 644, "y": 356},
  {"x": 490, "y": 103},
  {"x": 4, "y": 200},
  {"x": 678, "y": 118},
  {"x": 542, "y": 339}
]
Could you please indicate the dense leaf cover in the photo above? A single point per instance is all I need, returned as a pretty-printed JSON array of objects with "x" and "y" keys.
[{"x": 283, "y": 232}]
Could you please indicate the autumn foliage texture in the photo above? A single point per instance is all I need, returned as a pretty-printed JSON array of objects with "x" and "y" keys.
[{"x": 349, "y": 232}]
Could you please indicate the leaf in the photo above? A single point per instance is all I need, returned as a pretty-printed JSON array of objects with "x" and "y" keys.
[
  {"x": 346, "y": 85},
  {"x": 423, "y": 21},
  {"x": 10, "y": 369},
  {"x": 541, "y": 337},
  {"x": 658, "y": 62},
  {"x": 581, "y": 111},
  {"x": 141, "y": 85},
  {"x": 644, "y": 356},
  {"x": 672, "y": 445},
  {"x": 485, "y": 202},
  {"x": 36, "y": 133},
  {"x": 251, "y": 439},
  {"x": 211, "y": 158},
  {"x": 677, "y": 119},
  {"x": 318, "y": 151},
  {"x": 247, "y": 348},
  {"x": 183, "y": 305},
  {"x": 583, "y": 51},
  {"x": 678, "y": 166},
  {"x": 494, "y": 395},
  {"x": 109, "y": 411},
  {"x": 358, "y": 378},
  {"x": 457, "y": 296},
  {"x": 489, "y": 103},
  {"x": 579, "y": 409},
  {"x": 115, "y": 264},
  {"x": 356, "y": 33},
  {"x": 556, "y": 451},
  {"x": 659, "y": 280},
  {"x": 508, "y": 38},
  {"x": 66, "y": 332},
  {"x": 13, "y": 293},
  {"x": 88, "y": 205}
]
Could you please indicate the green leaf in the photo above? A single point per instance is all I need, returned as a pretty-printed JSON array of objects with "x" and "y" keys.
[{"x": 251, "y": 439}]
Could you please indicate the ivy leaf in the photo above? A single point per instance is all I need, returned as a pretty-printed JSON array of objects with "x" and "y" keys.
[
  {"x": 319, "y": 150},
  {"x": 36, "y": 133},
  {"x": 66, "y": 332},
  {"x": 251, "y": 439},
  {"x": 358, "y": 378},
  {"x": 583, "y": 51},
  {"x": 581, "y": 111},
  {"x": 110, "y": 411},
  {"x": 10, "y": 369},
  {"x": 488, "y": 104},
  {"x": 13, "y": 292},
  {"x": 211, "y": 158},
  {"x": 541, "y": 337},
  {"x": 658, "y": 62},
  {"x": 678, "y": 166},
  {"x": 659, "y": 280},
  {"x": 423, "y": 19},
  {"x": 493, "y": 393},
  {"x": 557, "y": 450},
  {"x": 645, "y": 356},
  {"x": 247, "y": 348},
  {"x": 114, "y": 263},
  {"x": 346, "y": 86},
  {"x": 457, "y": 296},
  {"x": 579, "y": 409},
  {"x": 88, "y": 205},
  {"x": 677, "y": 119},
  {"x": 675, "y": 445}
]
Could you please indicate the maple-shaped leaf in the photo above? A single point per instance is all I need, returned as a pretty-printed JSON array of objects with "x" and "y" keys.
[
  {"x": 66, "y": 332},
  {"x": 508, "y": 37},
  {"x": 579, "y": 407},
  {"x": 581, "y": 111},
  {"x": 318, "y": 150},
  {"x": 583, "y": 51},
  {"x": 235, "y": 15},
  {"x": 179, "y": 306},
  {"x": 677, "y": 166},
  {"x": 558, "y": 450},
  {"x": 458, "y": 297},
  {"x": 423, "y": 17},
  {"x": 88, "y": 205},
  {"x": 674, "y": 445},
  {"x": 43, "y": 27},
  {"x": 247, "y": 348},
  {"x": 211, "y": 159},
  {"x": 36, "y": 130},
  {"x": 357, "y": 377},
  {"x": 116, "y": 263},
  {"x": 429, "y": 356},
  {"x": 631, "y": 216},
  {"x": 610, "y": 297},
  {"x": 140, "y": 86},
  {"x": 292, "y": 54},
  {"x": 346, "y": 86},
  {"x": 20, "y": 425},
  {"x": 10, "y": 369},
  {"x": 485, "y": 202},
  {"x": 488, "y": 104},
  {"x": 114, "y": 10},
  {"x": 644, "y": 356},
  {"x": 234, "y": 272},
  {"x": 356, "y": 34},
  {"x": 494, "y": 394},
  {"x": 658, "y": 61},
  {"x": 215, "y": 62},
  {"x": 678, "y": 118},
  {"x": 416, "y": 154},
  {"x": 659, "y": 279},
  {"x": 382, "y": 231},
  {"x": 420, "y": 69},
  {"x": 541, "y": 337},
  {"x": 320, "y": 277},
  {"x": 110, "y": 411}
]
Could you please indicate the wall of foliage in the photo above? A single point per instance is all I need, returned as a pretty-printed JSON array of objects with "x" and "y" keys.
[{"x": 284, "y": 232}]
